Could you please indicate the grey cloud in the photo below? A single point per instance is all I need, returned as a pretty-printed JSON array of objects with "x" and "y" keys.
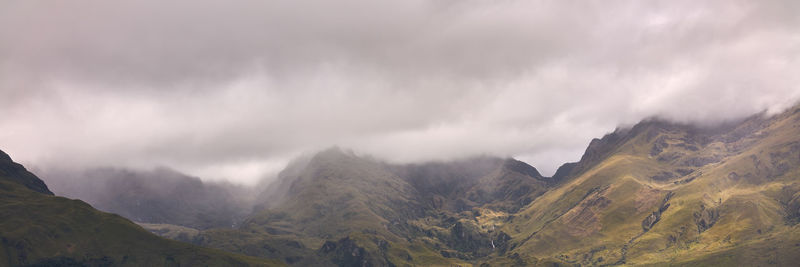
[{"x": 234, "y": 89}]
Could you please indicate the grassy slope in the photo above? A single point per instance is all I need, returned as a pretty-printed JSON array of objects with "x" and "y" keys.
[
  {"x": 37, "y": 228},
  {"x": 340, "y": 201},
  {"x": 657, "y": 194},
  {"x": 596, "y": 217},
  {"x": 339, "y": 196}
]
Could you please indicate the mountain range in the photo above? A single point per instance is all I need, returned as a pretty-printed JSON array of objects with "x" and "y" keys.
[{"x": 656, "y": 193}]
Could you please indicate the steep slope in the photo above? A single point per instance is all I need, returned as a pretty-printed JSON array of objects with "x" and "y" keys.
[
  {"x": 15, "y": 172},
  {"x": 345, "y": 209},
  {"x": 339, "y": 202},
  {"x": 503, "y": 184},
  {"x": 657, "y": 193},
  {"x": 37, "y": 228},
  {"x": 673, "y": 194}
]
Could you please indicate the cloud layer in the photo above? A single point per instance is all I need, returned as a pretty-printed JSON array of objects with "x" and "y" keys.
[{"x": 234, "y": 89}]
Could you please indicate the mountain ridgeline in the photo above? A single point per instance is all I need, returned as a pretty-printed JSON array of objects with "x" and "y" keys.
[
  {"x": 390, "y": 214},
  {"x": 657, "y": 193}
]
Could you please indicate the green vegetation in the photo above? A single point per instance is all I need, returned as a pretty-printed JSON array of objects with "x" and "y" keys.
[
  {"x": 656, "y": 194},
  {"x": 341, "y": 209},
  {"x": 45, "y": 230},
  {"x": 732, "y": 198}
]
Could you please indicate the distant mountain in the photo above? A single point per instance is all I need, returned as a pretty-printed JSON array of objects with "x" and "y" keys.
[
  {"x": 655, "y": 193},
  {"x": 39, "y": 229},
  {"x": 160, "y": 196},
  {"x": 342, "y": 209}
]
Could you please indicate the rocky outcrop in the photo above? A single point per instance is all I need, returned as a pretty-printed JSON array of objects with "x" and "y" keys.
[
  {"x": 705, "y": 218},
  {"x": 654, "y": 217},
  {"x": 659, "y": 146}
]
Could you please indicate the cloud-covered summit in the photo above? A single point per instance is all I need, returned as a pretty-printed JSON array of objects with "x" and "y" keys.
[{"x": 234, "y": 89}]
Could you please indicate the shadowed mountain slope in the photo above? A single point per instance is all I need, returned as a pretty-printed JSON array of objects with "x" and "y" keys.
[
  {"x": 160, "y": 196},
  {"x": 40, "y": 229}
]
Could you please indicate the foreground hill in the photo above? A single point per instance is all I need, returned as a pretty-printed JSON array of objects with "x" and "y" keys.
[{"x": 39, "y": 229}]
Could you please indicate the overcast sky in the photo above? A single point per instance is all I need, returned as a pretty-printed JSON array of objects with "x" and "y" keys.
[{"x": 234, "y": 89}]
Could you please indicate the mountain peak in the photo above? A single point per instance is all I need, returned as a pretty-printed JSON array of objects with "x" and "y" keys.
[{"x": 521, "y": 167}]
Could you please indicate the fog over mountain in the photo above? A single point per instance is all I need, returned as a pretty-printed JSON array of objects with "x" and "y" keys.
[
  {"x": 233, "y": 90},
  {"x": 157, "y": 196}
]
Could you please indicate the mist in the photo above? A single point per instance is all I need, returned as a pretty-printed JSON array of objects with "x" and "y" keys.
[
  {"x": 235, "y": 90},
  {"x": 159, "y": 196}
]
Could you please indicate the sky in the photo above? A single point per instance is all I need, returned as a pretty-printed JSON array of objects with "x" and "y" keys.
[{"x": 233, "y": 90}]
